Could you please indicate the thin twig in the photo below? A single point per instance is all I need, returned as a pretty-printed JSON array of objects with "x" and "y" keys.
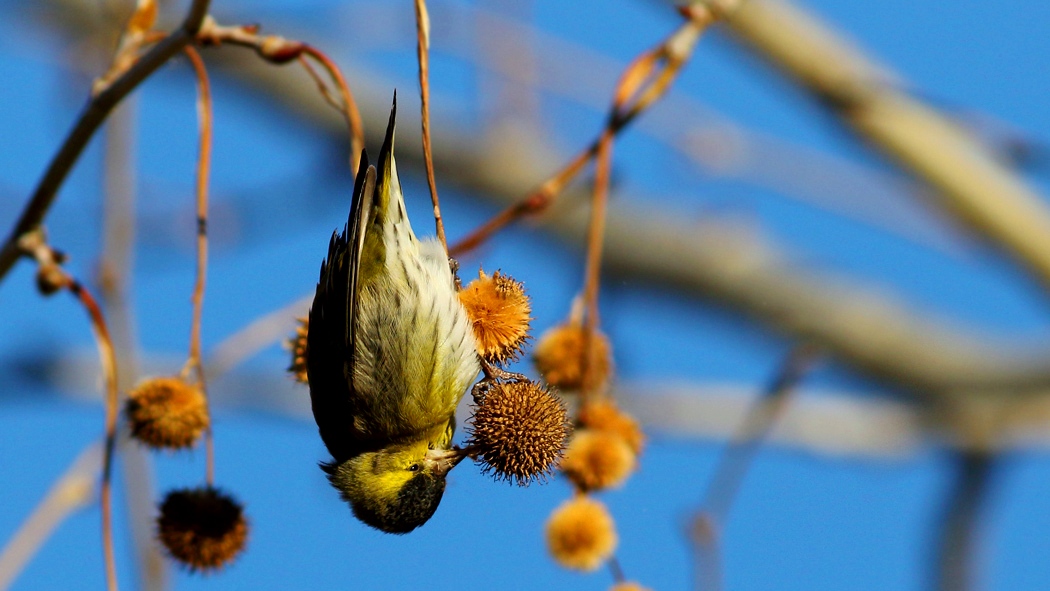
[
  {"x": 278, "y": 50},
  {"x": 133, "y": 39},
  {"x": 109, "y": 373},
  {"x": 592, "y": 273},
  {"x": 350, "y": 111},
  {"x": 534, "y": 202},
  {"x": 645, "y": 80},
  {"x": 204, "y": 113},
  {"x": 423, "y": 53},
  {"x": 322, "y": 86},
  {"x": 51, "y": 277},
  {"x": 96, "y": 111},
  {"x": 640, "y": 86}
]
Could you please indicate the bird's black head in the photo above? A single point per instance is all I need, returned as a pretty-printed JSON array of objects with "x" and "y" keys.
[
  {"x": 394, "y": 489},
  {"x": 410, "y": 508}
]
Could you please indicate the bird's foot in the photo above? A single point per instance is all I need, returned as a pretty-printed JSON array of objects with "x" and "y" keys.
[{"x": 493, "y": 374}]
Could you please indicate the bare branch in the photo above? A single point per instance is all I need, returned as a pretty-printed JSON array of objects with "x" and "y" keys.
[
  {"x": 96, "y": 111},
  {"x": 993, "y": 200}
]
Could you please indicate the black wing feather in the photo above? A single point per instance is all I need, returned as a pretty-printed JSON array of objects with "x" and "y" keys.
[{"x": 330, "y": 340}]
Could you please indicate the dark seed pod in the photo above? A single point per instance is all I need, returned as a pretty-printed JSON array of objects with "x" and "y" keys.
[{"x": 202, "y": 528}]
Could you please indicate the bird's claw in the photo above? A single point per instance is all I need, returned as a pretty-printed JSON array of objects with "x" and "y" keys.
[
  {"x": 493, "y": 374},
  {"x": 453, "y": 266}
]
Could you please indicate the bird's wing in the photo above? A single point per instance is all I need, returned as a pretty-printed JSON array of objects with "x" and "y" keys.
[
  {"x": 330, "y": 337},
  {"x": 360, "y": 210}
]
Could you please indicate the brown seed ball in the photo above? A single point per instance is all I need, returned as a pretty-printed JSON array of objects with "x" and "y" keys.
[
  {"x": 628, "y": 586},
  {"x": 202, "y": 528},
  {"x": 559, "y": 357},
  {"x": 297, "y": 344},
  {"x": 499, "y": 311},
  {"x": 597, "y": 460},
  {"x": 604, "y": 415},
  {"x": 581, "y": 534},
  {"x": 167, "y": 413},
  {"x": 519, "y": 431}
]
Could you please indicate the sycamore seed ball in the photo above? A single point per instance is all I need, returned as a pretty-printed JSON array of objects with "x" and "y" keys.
[
  {"x": 604, "y": 415},
  {"x": 297, "y": 344},
  {"x": 500, "y": 312},
  {"x": 597, "y": 460},
  {"x": 167, "y": 413},
  {"x": 559, "y": 357},
  {"x": 519, "y": 431},
  {"x": 202, "y": 528},
  {"x": 581, "y": 534}
]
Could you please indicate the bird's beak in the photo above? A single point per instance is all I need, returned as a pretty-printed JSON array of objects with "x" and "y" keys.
[{"x": 440, "y": 461}]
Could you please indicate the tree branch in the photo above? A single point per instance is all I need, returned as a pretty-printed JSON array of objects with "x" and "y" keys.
[{"x": 94, "y": 114}]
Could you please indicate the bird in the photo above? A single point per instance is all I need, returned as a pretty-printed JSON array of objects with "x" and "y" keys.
[{"x": 390, "y": 351}]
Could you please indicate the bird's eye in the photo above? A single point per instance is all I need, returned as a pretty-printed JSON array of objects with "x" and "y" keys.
[{"x": 413, "y": 468}]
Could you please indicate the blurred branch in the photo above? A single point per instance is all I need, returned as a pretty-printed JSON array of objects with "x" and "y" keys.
[
  {"x": 825, "y": 422},
  {"x": 644, "y": 82},
  {"x": 981, "y": 191},
  {"x": 96, "y": 111},
  {"x": 261, "y": 333},
  {"x": 961, "y": 520},
  {"x": 735, "y": 460},
  {"x": 717, "y": 145},
  {"x": 734, "y": 265},
  {"x": 855, "y": 324},
  {"x": 752, "y": 431},
  {"x": 72, "y": 491},
  {"x": 837, "y": 423},
  {"x": 115, "y": 280}
]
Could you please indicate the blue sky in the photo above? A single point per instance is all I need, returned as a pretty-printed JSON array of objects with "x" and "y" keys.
[{"x": 803, "y": 520}]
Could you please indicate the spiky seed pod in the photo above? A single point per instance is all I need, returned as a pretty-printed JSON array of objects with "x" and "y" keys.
[
  {"x": 297, "y": 345},
  {"x": 604, "y": 415},
  {"x": 581, "y": 534},
  {"x": 519, "y": 431},
  {"x": 499, "y": 310},
  {"x": 596, "y": 460},
  {"x": 559, "y": 357},
  {"x": 628, "y": 586},
  {"x": 167, "y": 413},
  {"x": 202, "y": 528}
]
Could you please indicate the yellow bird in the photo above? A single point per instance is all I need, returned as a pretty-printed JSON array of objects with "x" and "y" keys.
[{"x": 390, "y": 353}]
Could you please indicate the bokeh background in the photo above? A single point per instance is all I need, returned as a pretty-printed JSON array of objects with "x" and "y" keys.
[{"x": 851, "y": 491}]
